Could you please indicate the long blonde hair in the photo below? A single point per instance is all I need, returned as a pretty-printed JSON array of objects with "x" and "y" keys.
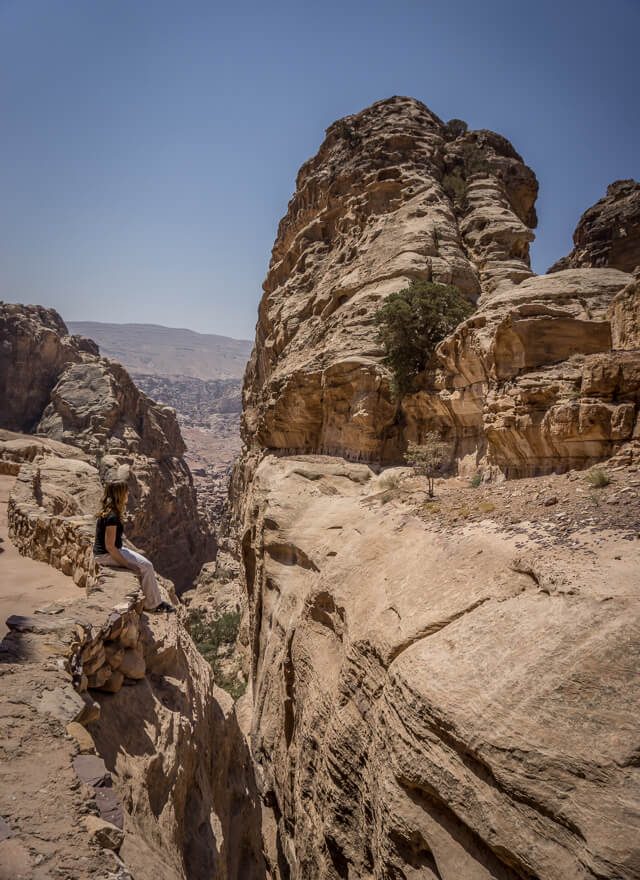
[{"x": 114, "y": 498}]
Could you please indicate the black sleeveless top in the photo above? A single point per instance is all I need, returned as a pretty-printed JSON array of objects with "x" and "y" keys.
[{"x": 111, "y": 519}]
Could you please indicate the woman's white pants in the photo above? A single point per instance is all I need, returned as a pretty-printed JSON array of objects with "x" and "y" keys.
[{"x": 152, "y": 596}]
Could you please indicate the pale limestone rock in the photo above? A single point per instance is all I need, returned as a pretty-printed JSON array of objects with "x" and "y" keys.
[
  {"x": 103, "y": 833},
  {"x": 393, "y": 195},
  {"x": 373, "y": 210},
  {"x": 624, "y": 315},
  {"x": 72, "y": 395},
  {"x": 517, "y": 379}
]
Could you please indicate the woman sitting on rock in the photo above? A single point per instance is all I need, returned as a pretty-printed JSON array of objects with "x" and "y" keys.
[{"x": 108, "y": 549}]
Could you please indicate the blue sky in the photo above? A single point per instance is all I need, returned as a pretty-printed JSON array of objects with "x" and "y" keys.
[{"x": 149, "y": 148}]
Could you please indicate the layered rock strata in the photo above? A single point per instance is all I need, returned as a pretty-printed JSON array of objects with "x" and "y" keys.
[
  {"x": 536, "y": 380},
  {"x": 426, "y": 703},
  {"x": 393, "y": 195},
  {"x": 608, "y": 233},
  {"x": 147, "y": 770},
  {"x": 432, "y": 697},
  {"x": 57, "y": 385}
]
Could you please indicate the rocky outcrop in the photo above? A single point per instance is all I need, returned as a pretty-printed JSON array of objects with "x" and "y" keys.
[
  {"x": 51, "y": 514},
  {"x": 531, "y": 384},
  {"x": 34, "y": 349},
  {"x": 392, "y": 195},
  {"x": 608, "y": 233},
  {"x": 151, "y": 779},
  {"x": 624, "y": 314},
  {"x": 435, "y": 693},
  {"x": 92, "y": 403},
  {"x": 435, "y": 702}
]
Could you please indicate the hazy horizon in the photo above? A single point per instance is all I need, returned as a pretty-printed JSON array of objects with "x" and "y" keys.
[
  {"x": 152, "y": 324},
  {"x": 149, "y": 152}
]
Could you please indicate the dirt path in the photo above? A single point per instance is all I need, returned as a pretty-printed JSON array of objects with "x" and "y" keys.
[{"x": 26, "y": 585}]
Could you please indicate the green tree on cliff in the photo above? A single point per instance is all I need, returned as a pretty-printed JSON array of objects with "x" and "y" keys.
[{"x": 412, "y": 322}]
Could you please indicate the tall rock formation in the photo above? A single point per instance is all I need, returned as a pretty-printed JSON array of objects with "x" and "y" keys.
[
  {"x": 394, "y": 194},
  {"x": 435, "y": 697},
  {"x": 57, "y": 385}
]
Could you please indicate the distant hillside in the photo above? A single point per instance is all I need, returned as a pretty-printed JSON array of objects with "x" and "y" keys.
[{"x": 167, "y": 351}]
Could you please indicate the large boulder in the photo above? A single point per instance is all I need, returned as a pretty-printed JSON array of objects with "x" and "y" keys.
[{"x": 35, "y": 347}]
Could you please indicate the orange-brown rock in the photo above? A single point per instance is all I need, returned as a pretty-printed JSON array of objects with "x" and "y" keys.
[
  {"x": 34, "y": 349},
  {"x": 608, "y": 233},
  {"x": 437, "y": 702},
  {"x": 518, "y": 386},
  {"x": 439, "y": 696},
  {"x": 392, "y": 195}
]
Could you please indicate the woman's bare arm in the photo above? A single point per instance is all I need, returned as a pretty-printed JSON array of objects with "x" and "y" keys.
[{"x": 110, "y": 543}]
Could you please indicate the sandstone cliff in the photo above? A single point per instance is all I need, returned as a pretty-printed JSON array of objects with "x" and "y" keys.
[
  {"x": 57, "y": 385},
  {"x": 394, "y": 194},
  {"x": 440, "y": 690},
  {"x": 147, "y": 772}
]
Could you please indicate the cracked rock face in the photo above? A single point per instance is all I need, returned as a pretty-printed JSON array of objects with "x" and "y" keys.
[
  {"x": 608, "y": 233},
  {"x": 425, "y": 705},
  {"x": 433, "y": 701},
  {"x": 532, "y": 383},
  {"x": 392, "y": 195},
  {"x": 57, "y": 385}
]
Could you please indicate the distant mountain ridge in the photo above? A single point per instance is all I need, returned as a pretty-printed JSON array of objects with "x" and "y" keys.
[{"x": 152, "y": 349}]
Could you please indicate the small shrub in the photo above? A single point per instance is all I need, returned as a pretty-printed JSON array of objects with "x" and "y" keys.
[
  {"x": 389, "y": 481},
  {"x": 456, "y": 128},
  {"x": 487, "y": 506},
  {"x": 476, "y": 481},
  {"x": 455, "y": 186},
  {"x": 210, "y": 638},
  {"x": 412, "y": 322},
  {"x": 429, "y": 457},
  {"x": 598, "y": 478}
]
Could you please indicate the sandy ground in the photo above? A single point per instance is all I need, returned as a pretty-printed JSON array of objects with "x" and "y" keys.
[{"x": 26, "y": 585}]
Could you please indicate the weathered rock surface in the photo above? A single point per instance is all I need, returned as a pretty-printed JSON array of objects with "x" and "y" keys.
[
  {"x": 393, "y": 194},
  {"x": 58, "y": 386},
  {"x": 426, "y": 705},
  {"x": 608, "y": 233},
  {"x": 531, "y": 384},
  {"x": 439, "y": 699},
  {"x": 181, "y": 766},
  {"x": 164, "y": 781},
  {"x": 34, "y": 349}
]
